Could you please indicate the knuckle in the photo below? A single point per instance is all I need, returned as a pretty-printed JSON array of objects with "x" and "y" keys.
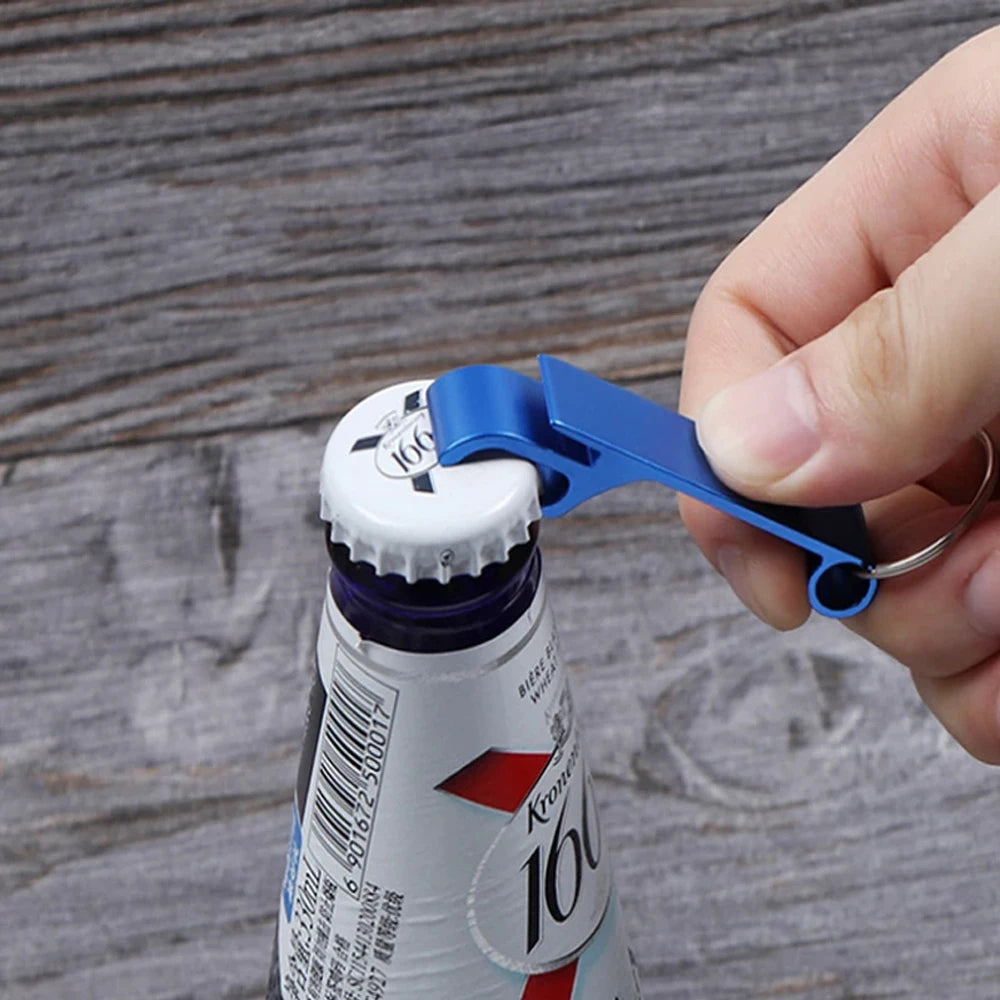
[{"x": 882, "y": 357}]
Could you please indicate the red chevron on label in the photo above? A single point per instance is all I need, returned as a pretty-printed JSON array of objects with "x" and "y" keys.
[
  {"x": 499, "y": 779},
  {"x": 554, "y": 985}
]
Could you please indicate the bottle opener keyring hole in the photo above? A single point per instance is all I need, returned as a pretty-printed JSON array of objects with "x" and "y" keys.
[{"x": 840, "y": 590}]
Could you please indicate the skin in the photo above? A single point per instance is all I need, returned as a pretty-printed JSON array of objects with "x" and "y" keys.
[{"x": 847, "y": 351}]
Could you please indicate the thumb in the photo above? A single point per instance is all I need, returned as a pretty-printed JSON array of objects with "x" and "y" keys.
[{"x": 883, "y": 398}]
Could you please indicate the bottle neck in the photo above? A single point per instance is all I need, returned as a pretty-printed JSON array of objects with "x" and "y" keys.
[{"x": 433, "y": 617}]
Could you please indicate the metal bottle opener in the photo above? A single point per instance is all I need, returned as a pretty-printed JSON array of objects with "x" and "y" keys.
[{"x": 586, "y": 436}]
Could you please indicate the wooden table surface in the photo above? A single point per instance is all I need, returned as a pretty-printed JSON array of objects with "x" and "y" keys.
[{"x": 222, "y": 224}]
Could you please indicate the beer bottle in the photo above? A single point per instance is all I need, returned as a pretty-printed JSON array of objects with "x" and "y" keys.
[{"x": 445, "y": 839}]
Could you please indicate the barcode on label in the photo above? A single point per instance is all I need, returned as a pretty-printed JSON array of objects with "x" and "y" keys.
[{"x": 350, "y": 762}]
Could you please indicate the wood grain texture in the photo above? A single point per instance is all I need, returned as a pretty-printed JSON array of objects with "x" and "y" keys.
[
  {"x": 223, "y": 223},
  {"x": 225, "y": 216}
]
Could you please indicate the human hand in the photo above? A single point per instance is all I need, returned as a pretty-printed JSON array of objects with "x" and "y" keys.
[{"x": 848, "y": 349}]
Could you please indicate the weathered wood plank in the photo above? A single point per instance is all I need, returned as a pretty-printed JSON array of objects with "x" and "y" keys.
[
  {"x": 224, "y": 216},
  {"x": 221, "y": 225}
]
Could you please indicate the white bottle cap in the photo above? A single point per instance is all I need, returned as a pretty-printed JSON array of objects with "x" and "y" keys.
[{"x": 390, "y": 502}]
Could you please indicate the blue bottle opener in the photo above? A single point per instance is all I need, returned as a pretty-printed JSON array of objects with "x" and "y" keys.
[{"x": 586, "y": 436}]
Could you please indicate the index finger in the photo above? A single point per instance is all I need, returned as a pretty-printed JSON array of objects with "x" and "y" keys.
[{"x": 883, "y": 201}]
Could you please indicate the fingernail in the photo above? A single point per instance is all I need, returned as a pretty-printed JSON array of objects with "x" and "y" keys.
[
  {"x": 732, "y": 564},
  {"x": 982, "y": 597},
  {"x": 763, "y": 428}
]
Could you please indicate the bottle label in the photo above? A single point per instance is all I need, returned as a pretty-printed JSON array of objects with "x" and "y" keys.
[{"x": 445, "y": 838}]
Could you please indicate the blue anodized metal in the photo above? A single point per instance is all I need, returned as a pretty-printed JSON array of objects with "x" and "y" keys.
[{"x": 587, "y": 436}]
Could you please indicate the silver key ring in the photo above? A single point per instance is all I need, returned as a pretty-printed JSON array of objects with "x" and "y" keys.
[{"x": 884, "y": 571}]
